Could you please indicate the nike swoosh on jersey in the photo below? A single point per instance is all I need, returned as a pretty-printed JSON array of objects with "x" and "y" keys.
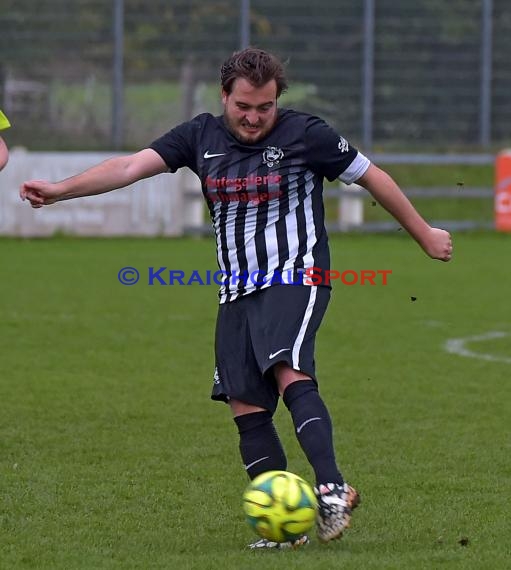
[
  {"x": 274, "y": 354},
  {"x": 207, "y": 155}
]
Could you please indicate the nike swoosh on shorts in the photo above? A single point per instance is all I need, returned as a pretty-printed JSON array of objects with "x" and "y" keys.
[{"x": 274, "y": 354}]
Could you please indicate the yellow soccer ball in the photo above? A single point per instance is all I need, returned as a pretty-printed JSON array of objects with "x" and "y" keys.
[{"x": 280, "y": 506}]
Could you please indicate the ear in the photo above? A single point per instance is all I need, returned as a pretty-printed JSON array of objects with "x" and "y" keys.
[{"x": 224, "y": 96}]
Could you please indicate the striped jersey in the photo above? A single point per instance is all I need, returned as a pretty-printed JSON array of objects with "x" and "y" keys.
[{"x": 265, "y": 198}]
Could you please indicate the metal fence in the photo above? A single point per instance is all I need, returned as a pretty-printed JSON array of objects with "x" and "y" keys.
[{"x": 426, "y": 76}]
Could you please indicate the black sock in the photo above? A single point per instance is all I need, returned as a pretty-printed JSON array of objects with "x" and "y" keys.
[
  {"x": 313, "y": 428},
  {"x": 260, "y": 445}
]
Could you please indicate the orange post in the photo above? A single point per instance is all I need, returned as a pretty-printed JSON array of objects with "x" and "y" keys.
[{"x": 503, "y": 191}]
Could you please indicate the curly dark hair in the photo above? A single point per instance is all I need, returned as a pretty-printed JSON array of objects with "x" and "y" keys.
[{"x": 256, "y": 66}]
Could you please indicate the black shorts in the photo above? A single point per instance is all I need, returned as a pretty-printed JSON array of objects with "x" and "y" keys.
[{"x": 253, "y": 333}]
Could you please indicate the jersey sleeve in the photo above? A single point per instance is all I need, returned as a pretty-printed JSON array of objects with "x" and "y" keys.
[
  {"x": 331, "y": 155},
  {"x": 4, "y": 122},
  {"x": 177, "y": 146}
]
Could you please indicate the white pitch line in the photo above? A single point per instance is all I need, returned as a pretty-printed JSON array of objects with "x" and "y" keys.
[{"x": 457, "y": 346}]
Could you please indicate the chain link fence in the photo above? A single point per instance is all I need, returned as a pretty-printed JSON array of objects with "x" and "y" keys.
[{"x": 392, "y": 75}]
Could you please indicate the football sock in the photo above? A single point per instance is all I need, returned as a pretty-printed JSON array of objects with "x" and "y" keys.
[
  {"x": 260, "y": 445},
  {"x": 313, "y": 428}
]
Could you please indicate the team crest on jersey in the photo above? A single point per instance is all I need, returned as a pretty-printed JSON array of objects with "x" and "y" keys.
[
  {"x": 272, "y": 155},
  {"x": 343, "y": 145}
]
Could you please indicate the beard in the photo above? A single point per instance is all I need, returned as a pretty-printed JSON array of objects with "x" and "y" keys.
[{"x": 236, "y": 129}]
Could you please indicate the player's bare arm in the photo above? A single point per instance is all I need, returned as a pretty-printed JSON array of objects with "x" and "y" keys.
[
  {"x": 109, "y": 175},
  {"x": 435, "y": 242}
]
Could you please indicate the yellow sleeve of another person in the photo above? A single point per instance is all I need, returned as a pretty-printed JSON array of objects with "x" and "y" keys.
[{"x": 4, "y": 122}]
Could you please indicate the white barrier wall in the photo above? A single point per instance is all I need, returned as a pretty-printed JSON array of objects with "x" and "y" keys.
[{"x": 162, "y": 205}]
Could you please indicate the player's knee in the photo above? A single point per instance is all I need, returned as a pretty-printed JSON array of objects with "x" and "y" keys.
[
  {"x": 240, "y": 408},
  {"x": 297, "y": 390},
  {"x": 286, "y": 375}
]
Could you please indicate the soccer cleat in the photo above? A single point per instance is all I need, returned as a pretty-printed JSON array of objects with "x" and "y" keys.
[
  {"x": 265, "y": 543},
  {"x": 335, "y": 506}
]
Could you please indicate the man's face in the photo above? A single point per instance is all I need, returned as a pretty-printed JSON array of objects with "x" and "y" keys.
[{"x": 250, "y": 112}]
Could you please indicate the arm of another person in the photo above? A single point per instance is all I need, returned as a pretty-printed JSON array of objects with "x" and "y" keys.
[
  {"x": 4, "y": 153},
  {"x": 434, "y": 241},
  {"x": 109, "y": 175}
]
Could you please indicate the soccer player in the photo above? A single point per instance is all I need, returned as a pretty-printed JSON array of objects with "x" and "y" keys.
[
  {"x": 4, "y": 152},
  {"x": 262, "y": 170}
]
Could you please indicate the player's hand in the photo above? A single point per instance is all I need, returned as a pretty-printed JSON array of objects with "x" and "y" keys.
[
  {"x": 39, "y": 193},
  {"x": 438, "y": 244}
]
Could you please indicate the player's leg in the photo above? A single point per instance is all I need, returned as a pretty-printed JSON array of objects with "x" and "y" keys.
[
  {"x": 312, "y": 422},
  {"x": 313, "y": 428},
  {"x": 297, "y": 314},
  {"x": 286, "y": 321},
  {"x": 283, "y": 325},
  {"x": 239, "y": 382},
  {"x": 261, "y": 451},
  {"x": 259, "y": 443}
]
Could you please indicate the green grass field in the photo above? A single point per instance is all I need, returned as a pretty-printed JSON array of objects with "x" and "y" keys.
[{"x": 112, "y": 455}]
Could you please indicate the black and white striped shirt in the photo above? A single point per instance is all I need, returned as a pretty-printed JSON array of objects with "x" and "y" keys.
[{"x": 266, "y": 198}]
